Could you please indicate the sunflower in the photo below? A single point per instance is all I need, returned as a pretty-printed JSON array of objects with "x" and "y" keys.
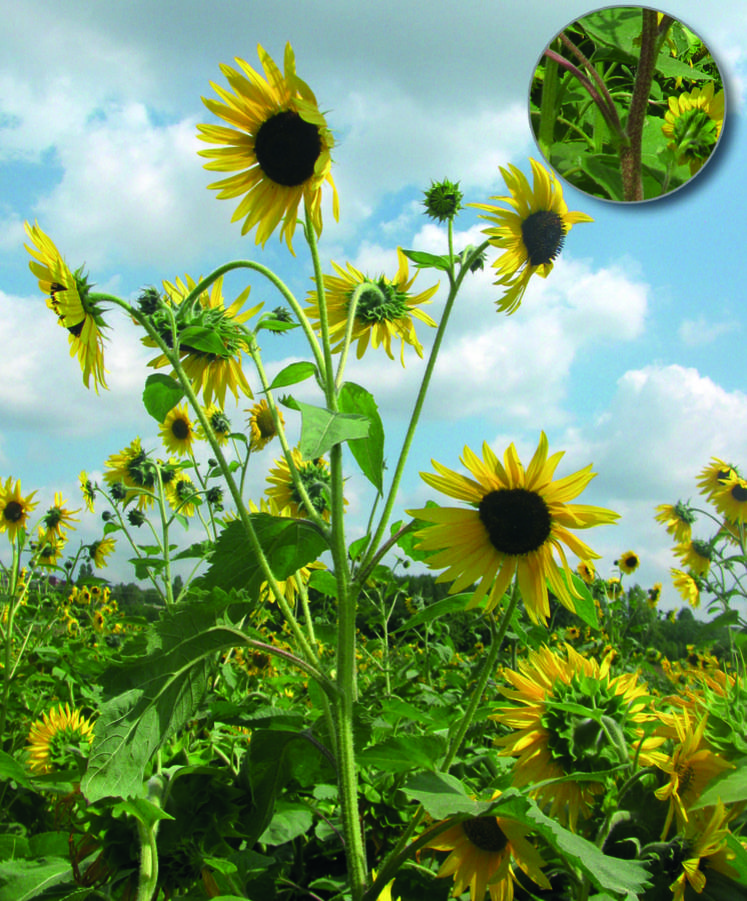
[
  {"x": 314, "y": 476},
  {"x": 654, "y": 595},
  {"x": 689, "y": 768},
  {"x": 693, "y": 125},
  {"x": 58, "y": 739},
  {"x": 677, "y": 520},
  {"x": 211, "y": 338},
  {"x": 701, "y": 850},
  {"x": 628, "y": 562},
  {"x": 531, "y": 234},
  {"x": 88, "y": 490},
  {"x": 181, "y": 494},
  {"x": 549, "y": 742},
  {"x": 586, "y": 570},
  {"x": 695, "y": 554},
  {"x": 713, "y": 477},
  {"x": 68, "y": 296},
  {"x": 384, "y": 308},
  {"x": 50, "y": 546},
  {"x": 58, "y": 516},
  {"x": 98, "y": 551},
  {"x": 14, "y": 508},
  {"x": 132, "y": 469},
  {"x": 278, "y": 144},
  {"x": 261, "y": 425},
  {"x": 731, "y": 499},
  {"x": 177, "y": 431},
  {"x": 483, "y": 850},
  {"x": 517, "y": 519},
  {"x": 687, "y": 586},
  {"x": 219, "y": 423}
]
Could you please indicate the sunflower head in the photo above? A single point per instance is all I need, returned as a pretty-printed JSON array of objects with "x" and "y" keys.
[
  {"x": 531, "y": 234},
  {"x": 98, "y": 551},
  {"x": 677, "y": 519},
  {"x": 60, "y": 740},
  {"x": 687, "y": 586},
  {"x": 219, "y": 423},
  {"x": 68, "y": 296},
  {"x": 384, "y": 308},
  {"x": 262, "y": 425},
  {"x": 515, "y": 523},
  {"x": 177, "y": 431},
  {"x": 443, "y": 200},
  {"x": 693, "y": 125},
  {"x": 628, "y": 562},
  {"x": 313, "y": 475},
  {"x": 277, "y": 145},
  {"x": 14, "y": 508}
]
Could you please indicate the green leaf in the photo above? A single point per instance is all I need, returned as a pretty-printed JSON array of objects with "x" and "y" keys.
[
  {"x": 293, "y": 373},
  {"x": 161, "y": 395},
  {"x": 368, "y": 451},
  {"x": 288, "y": 544},
  {"x": 405, "y": 752},
  {"x": 456, "y": 603},
  {"x": 323, "y": 580},
  {"x": 321, "y": 429},
  {"x": 25, "y": 880},
  {"x": 428, "y": 260},
  {"x": 671, "y": 67},
  {"x": 11, "y": 769},
  {"x": 730, "y": 789},
  {"x": 291, "y": 819},
  {"x": 269, "y": 769},
  {"x": 202, "y": 338},
  {"x": 585, "y": 606},
  {"x": 154, "y": 697},
  {"x": 442, "y": 795}
]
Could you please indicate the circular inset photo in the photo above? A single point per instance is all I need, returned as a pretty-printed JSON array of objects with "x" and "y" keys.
[{"x": 627, "y": 104}]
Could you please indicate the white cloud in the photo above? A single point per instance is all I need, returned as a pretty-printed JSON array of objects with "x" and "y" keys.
[{"x": 696, "y": 332}]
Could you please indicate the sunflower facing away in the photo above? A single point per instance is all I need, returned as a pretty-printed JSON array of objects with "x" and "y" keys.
[
  {"x": 693, "y": 125},
  {"x": 68, "y": 296},
  {"x": 516, "y": 521},
  {"x": 483, "y": 852},
  {"x": 278, "y": 145},
  {"x": 549, "y": 742},
  {"x": 212, "y": 362},
  {"x": 55, "y": 740},
  {"x": 14, "y": 508},
  {"x": 314, "y": 476},
  {"x": 687, "y": 586},
  {"x": 531, "y": 234},
  {"x": 384, "y": 311},
  {"x": 677, "y": 520}
]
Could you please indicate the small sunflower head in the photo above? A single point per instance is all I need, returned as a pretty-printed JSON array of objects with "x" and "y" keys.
[
  {"x": 149, "y": 300},
  {"x": 628, "y": 562},
  {"x": 443, "y": 200},
  {"x": 262, "y": 425}
]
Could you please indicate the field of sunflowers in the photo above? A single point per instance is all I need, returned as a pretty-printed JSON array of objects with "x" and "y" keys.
[{"x": 454, "y": 704}]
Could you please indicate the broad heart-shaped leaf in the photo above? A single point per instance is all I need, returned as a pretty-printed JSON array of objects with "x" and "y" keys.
[
  {"x": 288, "y": 544},
  {"x": 161, "y": 395},
  {"x": 293, "y": 373},
  {"x": 427, "y": 260},
  {"x": 153, "y": 697},
  {"x": 369, "y": 451},
  {"x": 321, "y": 429},
  {"x": 626, "y": 878},
  {"x": 402, "y": 753}
]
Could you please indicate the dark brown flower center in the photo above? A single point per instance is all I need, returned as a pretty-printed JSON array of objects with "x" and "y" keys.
[
  {"x": 180, "y": 429},
  {"x": 485, "y": 834},
  {"x": 287, "y": 148},
  {"x": 543, "y": 234},
  {"x": 517, "y": 520},
  {"x": 13, "y": 511},
  {"x": 739, "y": 493}
]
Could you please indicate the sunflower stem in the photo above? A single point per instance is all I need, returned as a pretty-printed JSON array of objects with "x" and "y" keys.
[
  {"x": 455, "y": 284},
  {"x": 329, "y": 384}
]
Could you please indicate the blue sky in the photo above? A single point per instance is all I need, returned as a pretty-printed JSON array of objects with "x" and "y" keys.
[{"x": 629, "y": 356}]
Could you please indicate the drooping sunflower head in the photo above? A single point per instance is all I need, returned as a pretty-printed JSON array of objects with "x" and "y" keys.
[
  {"x": 687, "y": 586},
  {"x": 731, "y": 499},
  {"x": 261, "y": 425},
  {"x": 384, "y": 308},
  {"x": 693, "y": 125},
  {"x": 68, "y": 296},
  {"x": 549, "y": 741},
  {"x": 88, "y": 489},
  {"x": 131, "y": 473},
  {"x": 211, "y": 340},
  {"x": 181, "y": 494},
  {"x": 219, "y": 423},
  {"x": 98, "y": 551},
  {"x": 277, "y": 144},
  {"x": 516, "y": 521},
  {"x": 58, "y": 516},
  {"x": 586, "y": 570},
  {"x": 531, "y": 234},
  {"x": 177, "y": 432},
  {"x": 677, "y": 519},
  {"x": 314, "y": 476},
  {"x": 49, "y": 547},
  {"x": 59, "y": 740},
  {"x": 14, "y": 508},
  {"x": 696, "y": 554}
]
